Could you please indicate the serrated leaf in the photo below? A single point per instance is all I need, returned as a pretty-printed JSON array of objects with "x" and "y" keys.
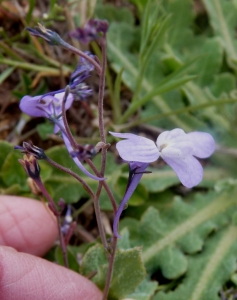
[
  {"x": 181, "y": 226},
  {"x": 208, "y": 270}
]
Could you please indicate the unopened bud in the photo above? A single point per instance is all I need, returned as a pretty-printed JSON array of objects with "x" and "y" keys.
[
  {"x": 30, "y": 149},
  {"x": 48, "y": 35},
  {"x": 31, "y": 166}
]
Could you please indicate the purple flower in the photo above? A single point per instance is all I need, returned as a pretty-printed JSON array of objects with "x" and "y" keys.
[
  {"x": 177, "y": 149},
  {"x": 91, "y": 31},
  {"x": 48, "y": 106},
  {"x": 79, "y": 89},
  {"x": 136, "y": 170}
]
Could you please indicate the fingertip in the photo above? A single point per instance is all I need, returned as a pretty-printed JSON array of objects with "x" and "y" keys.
[
  {"x": 25, "y": 277},
  {"x": 26, "y": 225}
]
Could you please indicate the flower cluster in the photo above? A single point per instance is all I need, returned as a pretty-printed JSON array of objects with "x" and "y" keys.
[
  {"x": 50, "y": 107},
  {"x": 91, "y": 31},
  {"x": 178, "y": 149}
]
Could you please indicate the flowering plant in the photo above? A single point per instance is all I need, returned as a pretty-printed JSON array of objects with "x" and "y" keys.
[{"x": 136, "y": 195}]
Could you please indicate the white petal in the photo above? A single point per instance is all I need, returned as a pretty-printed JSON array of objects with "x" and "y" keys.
[
  {"x": 178, "y": 150},
  {"x": 170, "y": 136},
  {"x": 203, "y": 144},
  {"x": 136, "y": 148},
  {"x": 189, "y": 170}
]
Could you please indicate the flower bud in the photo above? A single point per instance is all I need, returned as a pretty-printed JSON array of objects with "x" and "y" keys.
[
  {"x": 31, "y": 166},
  {"x": 30, "y": 149},
  {"x": 48, "y": 35}
]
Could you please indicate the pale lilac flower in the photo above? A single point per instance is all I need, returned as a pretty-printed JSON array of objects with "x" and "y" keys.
[
  {"x": 50, "y": 107},
  {"x": 177, "y": 149}
]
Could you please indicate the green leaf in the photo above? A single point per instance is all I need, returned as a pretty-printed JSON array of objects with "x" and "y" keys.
[
  {"x": 144, "y": 291},
  {"x": 121, "y": 57},
  {"x": 128, "y": 273},
  {"x": 223, "y": 20},
  {"x": 92, "y": 260},
  {"x": 181, "y": 226},
  {"x": 12, "y": 172},
  {"x": 114, "y": 14},
  {"x": 182, "y": 21},
  {"x": 128, "y": 270},
  {"x": 123, "y": 242},
  {"x": 30, "y": 11},
  {"x": 5, "y": 74},
  {"x": 209, "y": 270},
  {"x": 71, "y": 255},
  {"x": 161, "y": 179},
  {"x": 44, "y": 130},
  {"x": 6, "y": 148}
]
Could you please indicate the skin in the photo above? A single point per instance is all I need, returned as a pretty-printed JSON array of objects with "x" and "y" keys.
[{"x": 27, "y": 231}]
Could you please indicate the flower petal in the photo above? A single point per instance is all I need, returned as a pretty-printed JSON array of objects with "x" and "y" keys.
[
  {"x": 203, "y": 144},
  {"x": 69, "y": 100},
  {"x": 77, "y": 161},
  {"x": 189, "y": 170},
  {"x": 174, "y": 144},
  {"x": 136, "y": 148},
  {"x": 29, "y": 104},
  {"x": 139, "y": 169},
  {"x": 174, "y": 135}
]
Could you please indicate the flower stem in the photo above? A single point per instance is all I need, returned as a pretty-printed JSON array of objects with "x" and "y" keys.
[
  {"x": 110, "y": 269},
  {"x": 101, "y": 90},
  {"x": 106, "y": 187},
  {"x": 68, "y": 171},
  {"x": 64, "y": 117},
  {"x": 53, "y": 208},
  {"x": 82, "y": 54}
]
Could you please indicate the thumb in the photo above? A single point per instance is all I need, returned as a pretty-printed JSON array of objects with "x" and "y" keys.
[{"x": 26, "y": 277}]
